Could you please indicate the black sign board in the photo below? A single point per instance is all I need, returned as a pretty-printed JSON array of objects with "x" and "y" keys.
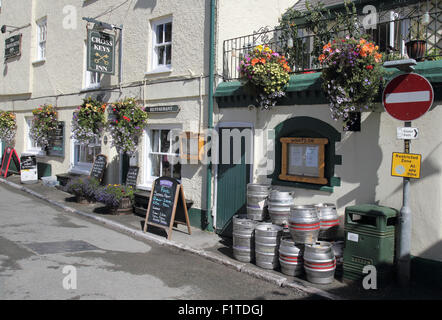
[
  {"x": 100, "y": 52},
  {"x": 131, "y": 178},
  {"x": 28, "y": 169},
  {"x": 28, "y": 162},
  {"x": 13, "y": 46},
  {"x": 161, "y": 109},
  {"x": 8, "y": 155},
  {"x": 56, "y": 141},
  {"x": 162, "y": 211},
  {"x": 99, "y": 167}
]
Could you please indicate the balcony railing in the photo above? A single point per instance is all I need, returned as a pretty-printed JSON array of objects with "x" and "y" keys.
[{"x": 391, "y": 37}]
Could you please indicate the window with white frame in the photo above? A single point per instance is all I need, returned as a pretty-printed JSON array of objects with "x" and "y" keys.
[
  {"x": 161, "y": 158},
  {"x": 41, "y": 39},
  {"x": 31, "y": 145},
  {"x": 91, "y": 79},
  {"x": 162, "y": 44},
  {"x": 84, "y": 156}
]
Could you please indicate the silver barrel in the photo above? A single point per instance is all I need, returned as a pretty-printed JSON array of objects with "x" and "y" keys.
[
  {"x": 279, "y": 205},
  {"x": 243, "y": 238},
  {"x": 267, "y": 239},
  {"x": 304, "y": 224},
  {"x": 319, "y": 262},
  {"x": 328, "y": 215},
  {"x": 291, "y": 257},
  {"x": 257, "y": 195}
]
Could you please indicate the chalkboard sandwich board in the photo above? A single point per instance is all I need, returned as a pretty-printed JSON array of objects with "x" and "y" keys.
[
  {"x": 99, "y": 167},
  {"x": 8, "y": 155},
  {"x": 131, "y": 178},
  {"x": 167, "y": 206}
]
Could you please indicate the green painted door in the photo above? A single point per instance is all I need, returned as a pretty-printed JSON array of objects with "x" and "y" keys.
[{"x": 231, "y": 187}]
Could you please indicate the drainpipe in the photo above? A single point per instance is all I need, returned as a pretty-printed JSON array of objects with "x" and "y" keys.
[{"x": 210, "y": 110}]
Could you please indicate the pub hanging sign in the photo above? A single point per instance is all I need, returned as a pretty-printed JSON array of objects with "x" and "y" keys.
[
  {"x": 100, "y": 52},
  {"x": 13, "y": 46}
]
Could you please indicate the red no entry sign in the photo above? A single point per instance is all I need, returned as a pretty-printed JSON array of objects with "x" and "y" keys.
[{"x": 408, "y": 97}]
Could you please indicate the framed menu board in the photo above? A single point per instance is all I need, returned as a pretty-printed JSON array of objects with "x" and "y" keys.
[
  {"x": 167, "y": 206},
  {"x": 303, "y": 160},
  {"x": 56, "y": 141}
]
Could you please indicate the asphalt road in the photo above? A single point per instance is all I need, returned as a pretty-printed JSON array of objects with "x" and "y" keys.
[{"x": 46, "y": 253}]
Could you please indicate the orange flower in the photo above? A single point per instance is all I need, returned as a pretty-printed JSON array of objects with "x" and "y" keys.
[
  {"x": 263, "y": 61},
  {"x": 254, "y": 61}
]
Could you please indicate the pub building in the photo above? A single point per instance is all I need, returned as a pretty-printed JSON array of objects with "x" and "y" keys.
[{"x": 161, "y": 57}]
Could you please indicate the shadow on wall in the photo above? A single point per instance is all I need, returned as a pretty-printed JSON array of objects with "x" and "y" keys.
[
  {"x": 145, "y": 4},
  {"x": 362, "y": 158},
  {"x": 112, "y": 171}
]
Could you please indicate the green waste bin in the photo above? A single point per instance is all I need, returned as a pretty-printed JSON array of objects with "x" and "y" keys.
[{"x": 369, "y": 240}]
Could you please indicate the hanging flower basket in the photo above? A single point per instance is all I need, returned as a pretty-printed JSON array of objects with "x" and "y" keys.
[
  {"x": 352, "y": 76},
  {"x": 268, "y": 72},
  {"x": 43, "y": 124},
  {"x": 126, "y": 123},
  {"x": 8, "y": 126},
  {"x": 88, "y": 121}
]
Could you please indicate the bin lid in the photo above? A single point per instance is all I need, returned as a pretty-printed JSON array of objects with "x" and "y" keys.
[{"x": 373, "y": 210}]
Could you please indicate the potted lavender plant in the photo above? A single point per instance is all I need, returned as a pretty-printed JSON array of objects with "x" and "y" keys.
[{"x": 117, "y": 198}]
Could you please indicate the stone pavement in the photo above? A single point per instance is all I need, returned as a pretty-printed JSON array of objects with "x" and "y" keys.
[{"x": 206, "y": 244}]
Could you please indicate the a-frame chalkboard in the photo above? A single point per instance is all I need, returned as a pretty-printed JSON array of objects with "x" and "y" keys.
[
  {"x": 167, "y": 206},
  {"x": 99, "y": 167},
  {"x": 10, "y": 154}
]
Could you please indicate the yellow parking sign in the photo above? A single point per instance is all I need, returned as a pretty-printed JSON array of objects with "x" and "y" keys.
[{"x": 406, "y": 165}]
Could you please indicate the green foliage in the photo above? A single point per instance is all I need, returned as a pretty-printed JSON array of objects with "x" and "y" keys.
[
  {"x": 317, "y": 23},
  {"x": 8, "y": 126}
]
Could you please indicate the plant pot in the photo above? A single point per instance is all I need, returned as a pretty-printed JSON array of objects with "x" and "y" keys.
[
  {"x": 125, "y": 208},
  {"x": 416, "y": 49}
]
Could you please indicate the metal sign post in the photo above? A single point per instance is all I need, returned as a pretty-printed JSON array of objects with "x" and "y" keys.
[
  {"x": 407, "y": 97},
  {"x": 404, "y": 249}
]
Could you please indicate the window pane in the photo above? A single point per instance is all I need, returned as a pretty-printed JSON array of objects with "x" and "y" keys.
[
  {"x": 169, "y": 54},
  {"x": 167, "y": 167},
  {"x": 155, "y": 141},
  {"x": 160, "y": 52},
  {"x": 168, "y": 32},
  {"x": 155, "y": 160},
  {"x": 177, "y": 170},
  {"x": 160, "y": 37},
  {"x": 165, "y": 144}
]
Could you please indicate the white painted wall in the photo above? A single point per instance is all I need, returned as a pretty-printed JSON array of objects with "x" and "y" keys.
[{"x": 366, "y": 168}]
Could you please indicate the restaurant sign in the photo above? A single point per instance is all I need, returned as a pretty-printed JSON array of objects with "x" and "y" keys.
[
  {"x": 162, "y": 109},
  {"x": 100, "y": 52},
  {"x": 13, "y": 46}
]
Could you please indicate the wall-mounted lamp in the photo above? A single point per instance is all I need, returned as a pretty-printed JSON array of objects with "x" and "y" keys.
[{"x": 3, "y": 28}]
